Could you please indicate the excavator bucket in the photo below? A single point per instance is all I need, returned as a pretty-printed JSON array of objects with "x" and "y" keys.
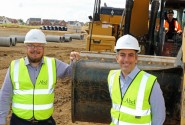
[{"x": 90, "y": 96}]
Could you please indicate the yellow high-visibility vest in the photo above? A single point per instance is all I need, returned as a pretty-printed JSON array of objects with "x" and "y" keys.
[
  {"x": 134, "y": 107},
  {"x": 33, "y": 100}
]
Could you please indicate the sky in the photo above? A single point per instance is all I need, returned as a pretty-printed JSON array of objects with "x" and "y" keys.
[{"x": 68, "y": 10}]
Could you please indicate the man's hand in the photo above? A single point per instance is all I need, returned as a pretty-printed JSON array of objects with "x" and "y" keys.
[
  {"x": 74, "y": 56},
  {"x": 166, "y": 31},
  {"x": 179, "y": 32}
]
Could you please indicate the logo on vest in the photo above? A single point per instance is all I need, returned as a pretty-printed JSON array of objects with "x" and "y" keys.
[
  {"x": 130, "y": 102},
  {"x": 42, "y": 82}
]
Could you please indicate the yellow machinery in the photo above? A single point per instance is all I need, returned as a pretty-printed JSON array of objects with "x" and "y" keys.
[
  {"x": 105, "y": 28},
  {"x": 108, "y": 24},
  {"x": 90, "y": 96}
]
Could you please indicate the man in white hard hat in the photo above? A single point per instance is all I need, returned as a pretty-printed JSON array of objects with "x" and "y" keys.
[
  {"x": 136, "y": 95},
  {"x": 29, "y": 84}
]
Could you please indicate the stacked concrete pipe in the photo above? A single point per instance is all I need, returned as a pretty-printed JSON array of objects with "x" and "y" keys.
[
  {"x": 14, "y": 41},
  {"x": 67, "y": 39},
  {"x": 5, "y": 41},
  {"x": 51, "y": 38},
  {"x": 19, "y": 39},
  {"x": 75, "y": 36}
]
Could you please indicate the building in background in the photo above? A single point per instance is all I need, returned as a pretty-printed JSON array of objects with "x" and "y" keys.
[
  {"x": 53, "y": 22},
  {"x": 34, "y": 21},
  {"x": 74, "y": 26},
  {"x": 6, "y": 20}
]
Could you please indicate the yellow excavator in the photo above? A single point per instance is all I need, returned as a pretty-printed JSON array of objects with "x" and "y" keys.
[{"x": 90, "y": 96}]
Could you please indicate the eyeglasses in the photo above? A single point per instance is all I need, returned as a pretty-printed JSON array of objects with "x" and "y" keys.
[{"x": 33, "y": 46}]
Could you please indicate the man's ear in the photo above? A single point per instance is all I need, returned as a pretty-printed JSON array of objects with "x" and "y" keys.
[
  {"x": 136, "y": 57},
  {"x": 117, "y": 58}
]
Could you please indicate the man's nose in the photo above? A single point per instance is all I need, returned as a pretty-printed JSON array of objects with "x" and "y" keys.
[{"x": 126, "y": 57}]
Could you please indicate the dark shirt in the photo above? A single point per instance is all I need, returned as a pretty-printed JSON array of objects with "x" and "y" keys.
[{"x": 171, "y": 31}]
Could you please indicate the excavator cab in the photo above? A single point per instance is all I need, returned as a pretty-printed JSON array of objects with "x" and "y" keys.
[
  {"x": 171, "y": 42},
  {"x": 90, "y": 95}
]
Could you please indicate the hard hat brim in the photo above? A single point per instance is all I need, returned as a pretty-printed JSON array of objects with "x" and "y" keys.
[
  {"x": 34, "y": 42},
  {"x": 138, "y": 49}
]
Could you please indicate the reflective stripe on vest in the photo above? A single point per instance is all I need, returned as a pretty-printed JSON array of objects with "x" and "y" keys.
[
  {"x": 29, "y": 100},
  {"x": 176, "y": 26},
  {"x": 139, "y": 112},
  {"x": 135, "y": 112},
  {"x": 112, "y": 80},
  {"x": 116, "y": 122},
  {"x": 166, "y": 25}
]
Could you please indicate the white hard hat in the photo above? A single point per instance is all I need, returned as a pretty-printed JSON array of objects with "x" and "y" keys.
[
  {"x": 35, "y": 36},
  {"x": 127, "y": 42}
]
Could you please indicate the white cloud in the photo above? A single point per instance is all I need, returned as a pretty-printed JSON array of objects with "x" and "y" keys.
[{"x": 52, "y": 9}]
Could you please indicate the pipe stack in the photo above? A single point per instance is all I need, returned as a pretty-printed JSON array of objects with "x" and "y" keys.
[
  {"x": 14, "y": 40},
  {"x": 5, "y": 41},
  {"x": 51, "y": 38},
  {"x": 67, "y": 39},
  {"x": 75, "y": 36}
]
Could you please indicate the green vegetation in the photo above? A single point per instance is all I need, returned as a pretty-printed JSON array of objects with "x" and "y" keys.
[{"x": 19, "y": 26}]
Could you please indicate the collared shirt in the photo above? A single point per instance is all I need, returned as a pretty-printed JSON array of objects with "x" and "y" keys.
[
  {"x": 156, "y": 98},
  {"x": 62, "y": 70}
]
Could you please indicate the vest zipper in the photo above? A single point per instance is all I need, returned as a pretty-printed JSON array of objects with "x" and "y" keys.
[
  {"x": 121, "y": 99},
  {"x": 33, "y": 99},
  {"x": 124, "y": 94}
]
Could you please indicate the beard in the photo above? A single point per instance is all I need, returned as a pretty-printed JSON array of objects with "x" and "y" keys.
[{"x": 33, "y": 59}]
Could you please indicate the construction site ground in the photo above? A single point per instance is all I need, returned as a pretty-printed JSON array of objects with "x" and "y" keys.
[{"x": 62, "y": 104}]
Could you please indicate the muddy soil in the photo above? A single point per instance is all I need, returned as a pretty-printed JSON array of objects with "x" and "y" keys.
[{"x": 62, "y": 113}]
